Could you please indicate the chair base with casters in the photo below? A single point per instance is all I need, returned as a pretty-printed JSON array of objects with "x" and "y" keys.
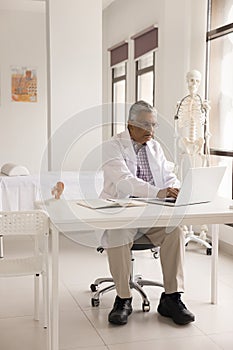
[{"x": 136, "y": 281}]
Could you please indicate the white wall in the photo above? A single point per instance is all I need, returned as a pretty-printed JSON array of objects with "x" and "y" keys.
[
  {"x": 76, "y": 82},
  {"x": 22, "y": 41}
]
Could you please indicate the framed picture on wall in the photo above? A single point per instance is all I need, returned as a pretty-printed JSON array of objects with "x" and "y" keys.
[{"x": 23, "y": 84}]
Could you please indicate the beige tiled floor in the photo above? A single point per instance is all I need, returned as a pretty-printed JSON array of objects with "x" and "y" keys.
[{"x": 85, "y": 327}]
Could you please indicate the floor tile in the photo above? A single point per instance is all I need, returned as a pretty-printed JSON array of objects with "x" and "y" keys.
[
  {"x": 213, "y": 318},
  {"x": 190, "y": 343},
  {"x": 77, "y": 331},
  {"x": 66, "y": 300},
  {"x": 224, "y": 340},
  {"x": 22, "y": 333}
]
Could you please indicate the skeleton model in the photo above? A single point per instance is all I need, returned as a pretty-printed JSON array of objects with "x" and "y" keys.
[
  {"x": 191, "y": 125},
  {"x": 191, "y": 136}
]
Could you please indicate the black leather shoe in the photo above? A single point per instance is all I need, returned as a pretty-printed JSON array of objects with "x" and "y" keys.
[
  {"x": 122, "y": 308},
  {"x": 171, "y": 306}
]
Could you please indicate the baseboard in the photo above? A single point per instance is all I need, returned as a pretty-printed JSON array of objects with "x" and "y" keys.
[{"x": 226, "y": 247}]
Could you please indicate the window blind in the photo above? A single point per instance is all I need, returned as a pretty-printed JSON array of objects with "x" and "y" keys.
[
  {"x": 118, "y": 53},
  {"x": 145, "y": 41}
]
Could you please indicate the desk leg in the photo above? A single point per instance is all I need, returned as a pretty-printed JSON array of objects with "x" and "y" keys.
[
  {"x": 214, "y": 264},
  {"x": 1, "y": 247},
  {"x": 55, "y": 297}
]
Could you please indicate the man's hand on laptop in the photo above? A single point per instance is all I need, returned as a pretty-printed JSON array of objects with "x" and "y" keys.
[{"x": 168, "y": 192}]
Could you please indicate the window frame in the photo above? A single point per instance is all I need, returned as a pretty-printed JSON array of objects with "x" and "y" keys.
[
  {"x": 114, "y": 81},
  {"x": 213, "y": 34}
]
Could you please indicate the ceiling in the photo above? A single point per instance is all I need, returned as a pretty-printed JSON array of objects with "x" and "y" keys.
[{"x": 16, "y": 4}]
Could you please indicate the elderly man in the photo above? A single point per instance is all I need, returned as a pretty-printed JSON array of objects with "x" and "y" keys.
[{"x": 135, "y": 166}]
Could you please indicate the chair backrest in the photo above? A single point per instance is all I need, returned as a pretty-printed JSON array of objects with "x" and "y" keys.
[
  {"x": 33, "y": 260},
  {"x": 35, "y": 222}
]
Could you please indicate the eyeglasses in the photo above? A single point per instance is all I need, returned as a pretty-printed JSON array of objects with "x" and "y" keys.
[{"x": 146, "y": 125}]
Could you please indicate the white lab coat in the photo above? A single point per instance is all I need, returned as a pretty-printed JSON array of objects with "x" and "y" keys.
[{"x": 120, "y": 166}]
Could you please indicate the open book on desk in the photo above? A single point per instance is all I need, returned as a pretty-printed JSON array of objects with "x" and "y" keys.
[{"x": 110, "y": 203}]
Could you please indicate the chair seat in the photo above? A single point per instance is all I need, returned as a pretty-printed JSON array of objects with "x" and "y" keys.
[
  {"x": 142, "y": 243},
  {"x": 21, "y": 266}
]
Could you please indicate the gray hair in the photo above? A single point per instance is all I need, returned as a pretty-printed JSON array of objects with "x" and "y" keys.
[{"x": 138, "y": 107}]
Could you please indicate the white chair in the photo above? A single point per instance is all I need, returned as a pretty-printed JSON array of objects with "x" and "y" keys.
[{"x": 36, "y": 225}]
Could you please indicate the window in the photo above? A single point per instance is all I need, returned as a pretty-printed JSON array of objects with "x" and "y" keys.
[
  {"x": 145, "y": 45},
  {"x": 220, "y": 76},
  {"x": 118, "y": 98},
  {"x": 118, "y": 58},
  {"x": 145, "y": 78},
  {"x": 220, "y": 42}
]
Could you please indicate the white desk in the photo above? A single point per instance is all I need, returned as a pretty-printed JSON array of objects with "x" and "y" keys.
[{"x": 68, "y": 216}]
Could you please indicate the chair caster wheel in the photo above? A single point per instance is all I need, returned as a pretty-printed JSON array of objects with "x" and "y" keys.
[
  {"x": 209, "y": 251},
  {"x": 146, "y": 306},
  {"x": 155, "y": 252},
  {"x": 100, "y": 249},
  {"x": 93, "y": 287},
  {"x": 95, "y": 302},
  {"x": 138, "y": 277},
  {"x": 186, "y": 244},
  {"x": 156, "y": 255}
]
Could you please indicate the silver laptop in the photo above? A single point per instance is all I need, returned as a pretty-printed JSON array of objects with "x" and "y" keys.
[{"x": 200, "y": 185}]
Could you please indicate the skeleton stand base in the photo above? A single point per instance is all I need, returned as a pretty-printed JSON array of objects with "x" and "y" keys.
[{"x": 200, "y": 238}]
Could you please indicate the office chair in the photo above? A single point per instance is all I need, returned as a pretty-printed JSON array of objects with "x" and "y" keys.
[
  {"x": 36, "y": 225},
  {"x": 136, "y": 281}
]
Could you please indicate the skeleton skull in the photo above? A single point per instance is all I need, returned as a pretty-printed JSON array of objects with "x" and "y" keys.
[{"x": 193, "y": 79}]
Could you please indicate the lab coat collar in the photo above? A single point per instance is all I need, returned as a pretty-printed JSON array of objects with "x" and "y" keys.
[
  {"x": 125, "y": 138},
  {"x": 126, "y": 142},
  {"x": 151, "y": 148}
]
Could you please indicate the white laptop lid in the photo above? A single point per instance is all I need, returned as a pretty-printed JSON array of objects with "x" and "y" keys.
[{"x": 200, "y": 185}]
